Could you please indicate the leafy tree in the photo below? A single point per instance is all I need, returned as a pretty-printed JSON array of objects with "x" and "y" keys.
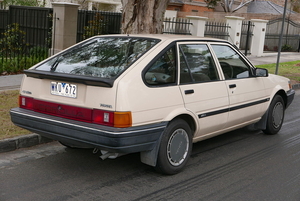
[
  {"x": 227, "y": 4},
  {"x": 23, "y": 3},
  {"x": 143, "y": 16}
]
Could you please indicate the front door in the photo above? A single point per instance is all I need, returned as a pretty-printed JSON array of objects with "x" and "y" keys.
[{"x": 246, "y": 92}]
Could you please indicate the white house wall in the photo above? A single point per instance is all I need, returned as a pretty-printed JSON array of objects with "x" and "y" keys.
[{"x": 116, "y": 3}]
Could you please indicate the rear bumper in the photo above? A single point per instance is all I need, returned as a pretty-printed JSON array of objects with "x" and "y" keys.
[
  {"x": 290, "y": 97},
  {"x": 120, "y": 140}
]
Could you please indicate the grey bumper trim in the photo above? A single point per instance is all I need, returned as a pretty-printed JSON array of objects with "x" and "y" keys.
[
  {"x": 290, "y": 97},
  {"x": 122, "y": 140}
]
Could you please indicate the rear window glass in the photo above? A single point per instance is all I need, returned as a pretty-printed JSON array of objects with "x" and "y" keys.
[{"x": 105, "y": 57}]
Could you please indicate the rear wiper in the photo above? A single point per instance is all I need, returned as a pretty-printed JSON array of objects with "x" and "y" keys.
[{"x": 55, "y": 64}]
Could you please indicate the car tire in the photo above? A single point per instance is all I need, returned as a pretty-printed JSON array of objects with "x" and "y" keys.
[
  {"x": 175, "y": 147},
  {"x": 275, "y": 116}
]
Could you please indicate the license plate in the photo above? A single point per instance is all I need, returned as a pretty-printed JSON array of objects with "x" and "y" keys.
[{"x": 64, "y": 89}]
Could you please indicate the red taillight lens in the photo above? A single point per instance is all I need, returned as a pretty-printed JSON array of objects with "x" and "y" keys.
[
  {"x": 103, "y": 117},
  {"x": 26, "y": 102},
  {"x": 61, "y": 110},
  {"x": 115, "y": 119}
]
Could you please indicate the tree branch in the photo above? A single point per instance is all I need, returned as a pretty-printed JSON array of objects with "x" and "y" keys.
[{"x": 241, "y": 5}]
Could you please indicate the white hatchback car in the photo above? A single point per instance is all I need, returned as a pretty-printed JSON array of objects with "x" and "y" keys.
[{"x": 153, "y": 94}]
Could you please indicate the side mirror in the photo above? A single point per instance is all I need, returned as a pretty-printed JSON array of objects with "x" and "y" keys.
[{"x": 261, "y": 72}]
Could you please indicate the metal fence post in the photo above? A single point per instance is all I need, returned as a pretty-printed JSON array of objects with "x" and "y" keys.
[{"x": 248, "y": 37}]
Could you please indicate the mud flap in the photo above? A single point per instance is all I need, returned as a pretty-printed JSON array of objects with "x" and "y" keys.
[
  {"x": 150, "y": 157},
  {"x": 262, "y": 123}
]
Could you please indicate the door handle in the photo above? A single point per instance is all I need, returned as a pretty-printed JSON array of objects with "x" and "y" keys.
[
  {"x": 232, "y": 86},
  {"x": 190, "y": 91}
]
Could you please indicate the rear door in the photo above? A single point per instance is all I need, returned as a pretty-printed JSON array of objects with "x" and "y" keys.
[{"x": 204, "y": 93}]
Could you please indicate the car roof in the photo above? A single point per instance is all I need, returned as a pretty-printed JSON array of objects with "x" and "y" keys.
[{"x": 168, "y": 37}]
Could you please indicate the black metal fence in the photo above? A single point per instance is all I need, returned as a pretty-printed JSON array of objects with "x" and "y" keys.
[
  {"x": 3, "y": 21},
  {"x": 26, "y": 33},
  {"x": 246, "y": 36},
  {"x": 215, "y": 29},
  {"x": 25, "y": 37},
  {"x": 177, "y": 26},
  {"x": 91, "y": 23}
]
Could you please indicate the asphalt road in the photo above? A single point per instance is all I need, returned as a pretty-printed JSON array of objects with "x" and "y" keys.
[{"x": 237, "y": 166}]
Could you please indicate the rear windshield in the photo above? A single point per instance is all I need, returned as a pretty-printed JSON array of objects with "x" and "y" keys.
[{"x": 105, "y": 57}]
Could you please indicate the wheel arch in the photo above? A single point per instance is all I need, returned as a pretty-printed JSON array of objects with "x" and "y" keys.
[
  {"x": 283, "y": 95},
  {"x": 189, "y": 120}
]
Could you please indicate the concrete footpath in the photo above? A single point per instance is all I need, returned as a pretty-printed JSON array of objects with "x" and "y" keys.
[{"x": 13, "y": 82}]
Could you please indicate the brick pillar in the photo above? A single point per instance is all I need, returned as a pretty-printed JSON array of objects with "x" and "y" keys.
[
  {"x": 64, "y": 26},
  {"x": 198, "y": 26}
]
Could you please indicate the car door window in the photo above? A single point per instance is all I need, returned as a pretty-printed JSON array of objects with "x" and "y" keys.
[
  {"x": 232, "y": 64},
  {"x": 163, "y": 70},
  {"x": 196, "y": 64}
]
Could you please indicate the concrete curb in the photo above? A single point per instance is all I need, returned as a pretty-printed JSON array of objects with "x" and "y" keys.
[
  {"x": 296, "y": 86},
  {"x": 23, "y": 141}
]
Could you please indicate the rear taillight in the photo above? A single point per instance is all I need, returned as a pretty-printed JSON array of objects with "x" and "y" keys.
[
  {"x": 102, "y": 117},
  {"x": 26, "y": 102},
  {"x": 114, "y": 119}
]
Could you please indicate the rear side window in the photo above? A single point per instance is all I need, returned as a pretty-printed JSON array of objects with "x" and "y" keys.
[
  {"x": 105, "y": 57},
  {"x": 163, "y": 70},
  {"x": 196, "y": 64}
]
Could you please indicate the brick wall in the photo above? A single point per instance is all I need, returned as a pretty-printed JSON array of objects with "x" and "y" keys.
[
  {"x": 190, "y": 8},
  {"x": 172, "y": 7}
]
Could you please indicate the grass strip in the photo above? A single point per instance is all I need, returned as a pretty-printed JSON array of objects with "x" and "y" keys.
[
  {"x": 9, "y": 99},
  {"x": 290, "y": 69}
]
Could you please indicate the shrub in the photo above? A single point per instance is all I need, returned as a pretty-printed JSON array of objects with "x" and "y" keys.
[
  {"x": 18, "y": 64},
  {"x": 13, "y": 41},
  {"x": 15, "y": 54},
  {"x": 39, "y": 52},
  {"x": 286, "y": 47}
]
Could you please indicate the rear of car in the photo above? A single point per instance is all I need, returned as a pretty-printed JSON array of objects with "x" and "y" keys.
[{"x": 72, "y": 97}]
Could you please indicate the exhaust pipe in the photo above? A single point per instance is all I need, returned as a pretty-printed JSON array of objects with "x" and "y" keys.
[{"x": 110, "y": 155}]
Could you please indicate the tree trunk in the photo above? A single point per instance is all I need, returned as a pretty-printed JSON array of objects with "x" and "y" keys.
[{"x": 143, "y": 16}]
